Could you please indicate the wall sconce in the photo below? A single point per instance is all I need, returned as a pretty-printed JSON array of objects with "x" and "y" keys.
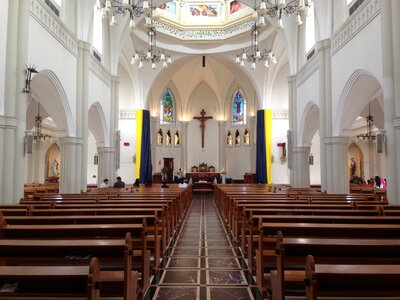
[
  {"x": 28, "y": 78},
  {"x": 310, "y": 159}
]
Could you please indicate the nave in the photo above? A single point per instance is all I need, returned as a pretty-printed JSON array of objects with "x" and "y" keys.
[{"x": 203, "y": 263}]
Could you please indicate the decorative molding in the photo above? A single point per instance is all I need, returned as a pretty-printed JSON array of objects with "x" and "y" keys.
[
  {"x": 284, "y": 114},
  {"x": 128, "y": 114},
  {"x": 204, "y": 35},
  {"x": 309, "y": 68},
  {"x": 8, "y": 122},
  {"x": 49, "y": 20},
  {"x": 396, "y": 123},
  {"x": 354, "y": 24},
  {"x": 99, "y": 70}
]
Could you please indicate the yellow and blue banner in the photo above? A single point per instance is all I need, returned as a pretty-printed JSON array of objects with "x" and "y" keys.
[
  {"x": 264, "y": 146},
  {"x": 143, "y": 148}
]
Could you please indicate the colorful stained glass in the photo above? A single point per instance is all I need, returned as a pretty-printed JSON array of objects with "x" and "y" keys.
[
  {"x": 238, "y": 109},
  {"x": 167, "y": 110}
]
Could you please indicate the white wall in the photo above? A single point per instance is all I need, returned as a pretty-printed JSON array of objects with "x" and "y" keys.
[
  {"x": 126, "y": 96},
  {"x": 280, "y": 91},
  {"x": 92, "y": 168},
  {"x": 208, "y": 154},
  {"x": 238, "y": 156},
  {"x": 280, "y": 173},
  {"x": 47, "y": 53},
  {"x": 315, "y": 169},
  {"x": 127, "y": 169}
]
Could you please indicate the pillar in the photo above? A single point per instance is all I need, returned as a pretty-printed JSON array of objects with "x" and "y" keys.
[
  {"x": 153, "y": 141},
  {"x": 114, "y": 117},
  {"x": 301, "y": 167},
  {"x": 336, "y": 149},
  {"x": 70, "y": 170},
  {"x": 391, "y": 94},
  {"x": 105, "y": 164},
  {"x": 222, "y": 145},
  {"x": 325, "y": 111},
  {"x": 184, "y": 145},
  {"x": 292, "y": 124},
  {"x": 82, "y": 109},
  {"x": 13, "y": 123}
]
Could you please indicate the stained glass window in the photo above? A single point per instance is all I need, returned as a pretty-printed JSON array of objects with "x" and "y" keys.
[
  {"x": 238, "y": 108},
  {"x": 167, "y": 109}
]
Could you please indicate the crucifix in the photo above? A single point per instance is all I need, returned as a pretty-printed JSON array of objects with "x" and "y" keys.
[{"x": 202, "y": 120}]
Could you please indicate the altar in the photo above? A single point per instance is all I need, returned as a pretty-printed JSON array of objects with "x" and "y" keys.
[{"x": 203, "y": 181}]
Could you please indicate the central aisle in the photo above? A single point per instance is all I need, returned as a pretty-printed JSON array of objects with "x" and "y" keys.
[{"x": 202, "y": 263}]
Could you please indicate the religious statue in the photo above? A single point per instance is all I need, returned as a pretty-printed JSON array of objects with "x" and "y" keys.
[
  {"x": 160, "y": 137},
  {"x": 54, "y": 168},
  {"x": 169, "y": 138},
  {"x": 176, "y": 138},
  {"x": 246, "y": 137},
  {"x": 353, "y": 167},
  {"x": 229, "y": 138},
  {"x": 237, "y": 137}
]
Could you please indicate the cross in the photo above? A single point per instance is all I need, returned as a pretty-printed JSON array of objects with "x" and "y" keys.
[{"x": 202, "y": 120}]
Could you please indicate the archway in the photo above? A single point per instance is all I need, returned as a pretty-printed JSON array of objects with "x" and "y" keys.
[
  {"x": 52, "y": 164},
  {"x": 355, "y": 160}
]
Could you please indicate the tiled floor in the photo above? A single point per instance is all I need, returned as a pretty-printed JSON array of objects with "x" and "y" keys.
[{"x": 202, "y": 263}]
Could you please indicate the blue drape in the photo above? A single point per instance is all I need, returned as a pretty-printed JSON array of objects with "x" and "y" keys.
[
  {"x": 261, "y": 165},
  {"x": 145, "y": 162}
]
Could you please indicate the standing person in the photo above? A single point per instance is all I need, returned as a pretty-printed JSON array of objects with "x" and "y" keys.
[
  {"x": 104, "y": 184},
  {"x": 180, "y": 175},
  {"x": 378, "y": 183},
  {"x": 119, "y": 183}
]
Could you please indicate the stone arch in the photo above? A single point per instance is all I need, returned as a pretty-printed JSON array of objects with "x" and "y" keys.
[
  {"x": 98, "y": 124},
  {"x": 354, "y": 151},
  {"x": 309, "y": 124},
  {"x": 190, "y": 112},
  {"x": 360, "y": 89},
  {"x": 49, "y": 92}
]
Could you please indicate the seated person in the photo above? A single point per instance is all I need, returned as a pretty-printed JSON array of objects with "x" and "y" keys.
[
  {"x": 137, "y": 182},
  {"x": 104, "y": 184},
  {"x": 119, "y": 183}
]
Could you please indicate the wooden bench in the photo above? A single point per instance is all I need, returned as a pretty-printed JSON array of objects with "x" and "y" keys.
[
  {"x": 346, "y": 280},
  {"x": 290, "y": 253},
  {"x": 56, "y": 281}
]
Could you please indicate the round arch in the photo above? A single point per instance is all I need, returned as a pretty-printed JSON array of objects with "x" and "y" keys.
[
  {"x": 360, "y": 89},
  {"x": 98, "y": 124},
  {"x": 309, "y": 124}
]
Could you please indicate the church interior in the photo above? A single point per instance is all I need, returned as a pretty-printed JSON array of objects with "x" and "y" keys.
[{"x": 256, "y": 142}]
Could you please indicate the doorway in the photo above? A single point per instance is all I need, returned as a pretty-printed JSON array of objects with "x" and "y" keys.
[{"x": 169, "y": 166}]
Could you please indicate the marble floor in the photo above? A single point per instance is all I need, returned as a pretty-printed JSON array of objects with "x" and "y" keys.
[{"x": 202, "y": 263}]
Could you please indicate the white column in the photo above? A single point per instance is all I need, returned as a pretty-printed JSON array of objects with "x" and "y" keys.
[
  {"x": 391, "y": 94},
  {"x": 292, "y": 123},
  {"x": 106, "y": 55},
  {"x": 114, "y": 118},
  {"x": 13, "y": 123},
  {"x": 105, "y": 164},
  {"x": 325, "y": 110},
  {"x": 184, "y": 145},
  {"x": 222, "y": 144},
  {"x": 301, "y": 167},
  {"x": 253, "y": 149},
  {"x": 70, "y": 167},
  {"x": 82, "y": 108},
  {"x": 336, "y": 148}
]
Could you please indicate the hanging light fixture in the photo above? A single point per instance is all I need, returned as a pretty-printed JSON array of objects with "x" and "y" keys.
[
  {"x": 369, "y": 135},
  {"x": 29, "y": 71},
  {"x": 152, "y": 55},
  {"x": 275, "y": 8},
  {"x": 135, "y": 8},
  {"x": 37, "y": 131},
  {"x": 254, "y": 54}
]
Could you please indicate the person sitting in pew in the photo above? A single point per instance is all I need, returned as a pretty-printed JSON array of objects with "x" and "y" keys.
[
  {"x": 104, "y": 184},
  {"x": 119, "y": 183}
]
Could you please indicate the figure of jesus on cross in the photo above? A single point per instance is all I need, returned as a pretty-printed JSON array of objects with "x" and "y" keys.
[{"x": 202, "y": 120}]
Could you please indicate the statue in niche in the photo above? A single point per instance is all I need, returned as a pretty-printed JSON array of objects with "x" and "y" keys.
[
  {"x": 353, "y": 167},
  {"x": 229, "y": 138},
  {"x": 177, "y": 139},
  {"x": 169, "y": 138},
  {"x": 246, "y": 137},
  {"x": 237, "y": 137},
  {"x": 160, "y": 137},
  {"x": 54, "y": 168}
]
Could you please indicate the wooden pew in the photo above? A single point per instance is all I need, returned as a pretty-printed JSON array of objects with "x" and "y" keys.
[
  {"x": 56, "y": 281},
  {"x": 115, "y": 255},
  {"x": 346, "y": 280},
  {"x": 269, "y": 232},
  {"x": 290, "y": 256}
]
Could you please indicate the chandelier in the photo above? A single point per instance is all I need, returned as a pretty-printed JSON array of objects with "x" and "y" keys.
[
  {"x": 275, "y": 8},
  {"x": 152, "y": 55},
  {"x": 254, "y": 54},
  {"x": 37, "y": 131},
  {"x": 134, "y": 8},
  {"x": 369, "y": 135}
]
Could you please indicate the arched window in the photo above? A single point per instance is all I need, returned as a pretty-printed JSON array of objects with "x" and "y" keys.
[
  {"x": 97, "y": 30},
  {"x": 177, "y": 138},
  {"x": 238, "y": 108},
  {"x": 167, "y": 109},
  {"x": 229, "y": 138},
  {"x": 160, "y": 137},
  {"x": 310, "y": 28},
  {"x": 237, "y": 137}
]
